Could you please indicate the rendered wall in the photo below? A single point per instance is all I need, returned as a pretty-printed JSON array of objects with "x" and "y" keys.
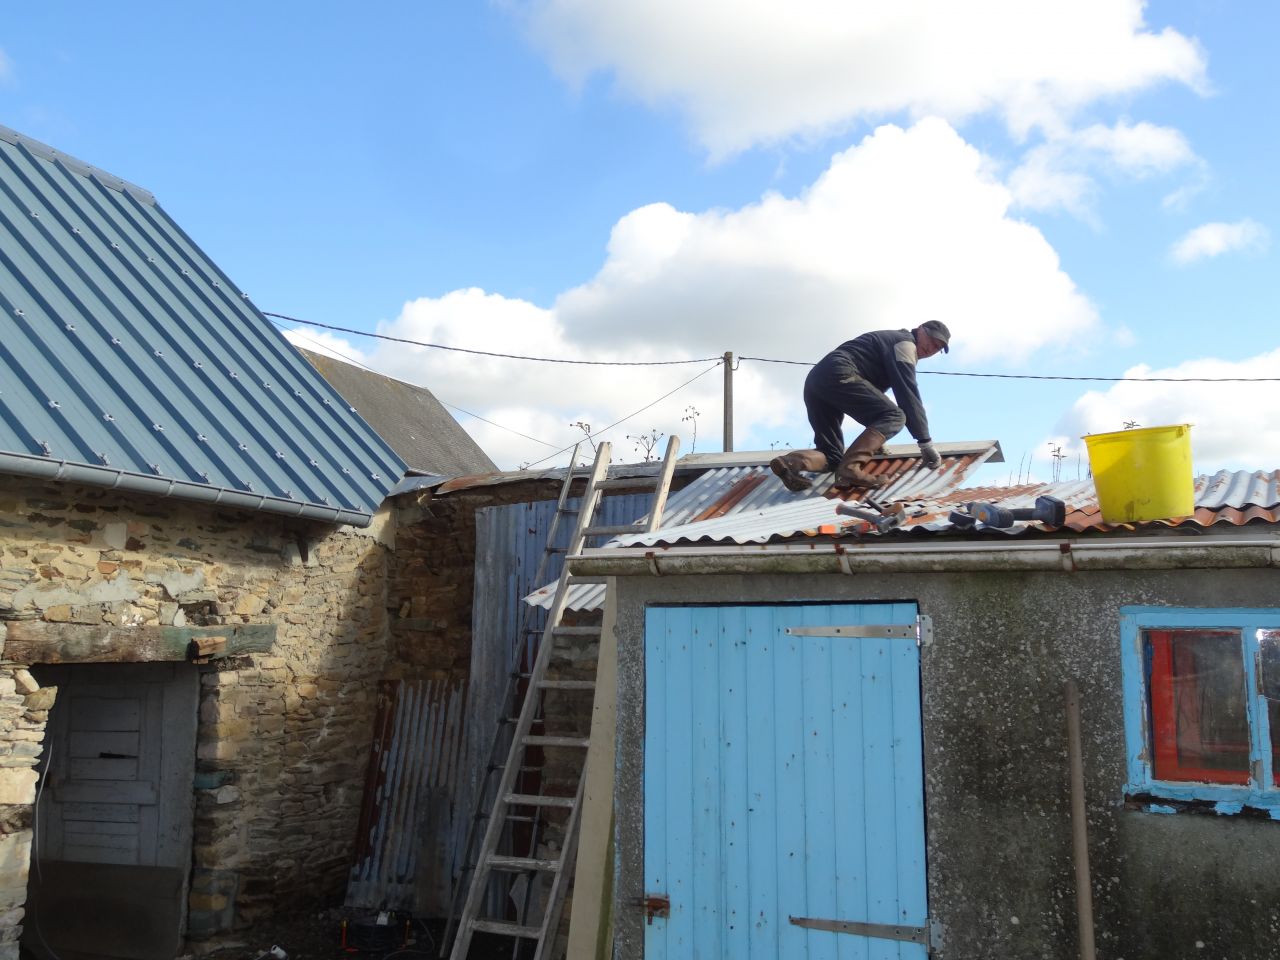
[
  {"x": 997, "y": 800},
  {"x": 283, "y": 734}
]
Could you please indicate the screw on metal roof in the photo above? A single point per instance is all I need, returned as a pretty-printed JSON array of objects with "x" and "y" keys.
[
  {"x": 199, "y": 365},
  {"x": 204, "y": 475},
  {"x": 114, "y": 245},
  {"x": 48, "y": 450},
  {"x": 279, "y": 455},
  {"x": 159, "y": 353},
  {"x": 106, "y": 461},
  {"x": 55, "y": 404},
  {"x": 35, "y": 214},
  {"x": 202, "y": 438},
  {"x": 248, "y": 485},
  {"x": 234, "y": 375},
  {"x": 18, "y": 312},
  {"x": 155, "y": 468},
  {"x": 157, "y": 427},
  {"x": 71, "y": 328},
  {"x": 109, "y": 418},
  {"x": 313, "y": 462},
  {"x": 115, "y": 341},
  {"x": 244, "y": 446},
  {"x": 288, "y": 494},
  {"x": 151, "y": 259}
]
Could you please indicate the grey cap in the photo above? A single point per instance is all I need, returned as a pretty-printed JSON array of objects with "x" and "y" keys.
[{"x": 938, "y": 330}]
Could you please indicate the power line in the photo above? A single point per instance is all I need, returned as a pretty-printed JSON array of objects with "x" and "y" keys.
[
  {"x": 490, "y": 353},
  {"x": 1035, "y": 376},
  {"x": 354, "y": 362},
  {"x": 797, "y": 363},
  {"x": 630, "y": 415}
]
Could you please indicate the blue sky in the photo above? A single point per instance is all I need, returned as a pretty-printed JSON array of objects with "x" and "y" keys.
[{"x": 1083, "y": 193}]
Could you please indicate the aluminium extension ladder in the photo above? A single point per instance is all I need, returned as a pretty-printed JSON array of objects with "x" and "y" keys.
[{"x": 536, "y": 934}]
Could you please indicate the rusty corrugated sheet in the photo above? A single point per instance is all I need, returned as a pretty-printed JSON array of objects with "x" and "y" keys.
[
  {"x": 408, "y": 823},
  {"x": 748, "y": 504}
]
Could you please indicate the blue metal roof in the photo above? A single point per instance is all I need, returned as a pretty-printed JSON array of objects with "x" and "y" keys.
[{"x": 130, "y": 360}]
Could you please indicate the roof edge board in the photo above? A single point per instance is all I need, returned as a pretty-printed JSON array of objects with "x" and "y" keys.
[
  {"x": 1058, "y": 555},
  {"x": 65, "y": 471}
]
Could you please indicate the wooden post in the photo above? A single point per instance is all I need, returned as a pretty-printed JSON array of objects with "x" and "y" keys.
[{"x": 1079, "y": 826}]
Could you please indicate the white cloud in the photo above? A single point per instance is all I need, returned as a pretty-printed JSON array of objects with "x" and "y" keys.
[
  {"x": 1060, "y": 173},
  {"x": 907, "y": 225},
  {"x": 1227, "y": 430},
  {"x": 747, "y": 72},
  {"x": 1215, "y": 239}
]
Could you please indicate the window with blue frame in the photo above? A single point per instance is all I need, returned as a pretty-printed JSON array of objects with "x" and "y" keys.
[{"x": 1202, "y": 697}]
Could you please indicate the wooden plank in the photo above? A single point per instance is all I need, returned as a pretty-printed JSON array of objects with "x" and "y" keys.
[
  {"x": 105, "y": 791},
  {"x": 86, "y": 744},
  {"x": 35, "y": 641},
  {"x": 97, "y": 769},
  {"x": 121, "y": 713},
  {"x": 101, "y": 812}
]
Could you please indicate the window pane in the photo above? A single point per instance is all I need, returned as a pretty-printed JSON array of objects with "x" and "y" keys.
[
  {"x": 1199, "y": 717},
  {"x": 1269, "y": 667}
]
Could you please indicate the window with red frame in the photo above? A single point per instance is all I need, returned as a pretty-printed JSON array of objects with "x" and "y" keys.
[{"x": 1198, "y": 704}]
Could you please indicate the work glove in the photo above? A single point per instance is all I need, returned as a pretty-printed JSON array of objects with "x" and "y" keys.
[{"x": 929, "y": 458}]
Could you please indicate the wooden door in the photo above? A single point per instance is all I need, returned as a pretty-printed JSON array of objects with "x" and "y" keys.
[{"x": 784, "y": 792}]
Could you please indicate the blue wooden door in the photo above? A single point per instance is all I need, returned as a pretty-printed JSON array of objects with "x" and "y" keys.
[{"x": 783, "y": 779}]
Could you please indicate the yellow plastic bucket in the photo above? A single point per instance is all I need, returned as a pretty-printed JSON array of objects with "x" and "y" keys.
[{"x": 1143, "y": 474}]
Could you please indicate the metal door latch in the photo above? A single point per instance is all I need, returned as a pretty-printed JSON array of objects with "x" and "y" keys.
[{"x": 654, "y": 905}]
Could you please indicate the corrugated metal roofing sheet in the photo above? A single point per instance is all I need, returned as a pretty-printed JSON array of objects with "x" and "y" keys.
[
  {"x": 748, "y": 504},
  {"x": 1235, "y": 498},
  {"x": 130, "y": 360}
]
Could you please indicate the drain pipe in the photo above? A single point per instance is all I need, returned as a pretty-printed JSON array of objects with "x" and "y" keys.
[{"x": 1079, "y": 826}]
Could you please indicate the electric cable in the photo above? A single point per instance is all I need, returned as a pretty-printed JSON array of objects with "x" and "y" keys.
[
  {"x": 604, "y": 430},
  {"x": 490, "y": 353},
  {"x": 1045, "y": 376},
  {"x": 364, "y": 366},
  {"x": 797, "y": 363}
]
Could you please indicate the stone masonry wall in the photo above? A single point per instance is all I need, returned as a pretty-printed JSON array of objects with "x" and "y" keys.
[{"x": 282, "y": 737}]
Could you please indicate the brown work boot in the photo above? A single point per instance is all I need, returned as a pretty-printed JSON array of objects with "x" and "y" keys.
[
  {"x": 789, "y": 465},
  {"x": 852, "y": 470}
]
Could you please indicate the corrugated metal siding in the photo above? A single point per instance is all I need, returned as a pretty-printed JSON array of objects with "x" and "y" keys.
[
  {"x": 430, "y": 755},
  {"x": 128, "y": 353},
  {"x": 408, "y": 821}
]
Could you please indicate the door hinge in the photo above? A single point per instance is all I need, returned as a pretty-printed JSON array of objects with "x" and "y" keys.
[{"x": 879, "y": 931}]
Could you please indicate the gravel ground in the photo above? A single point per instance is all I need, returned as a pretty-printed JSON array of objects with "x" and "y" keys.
[{"x": 319, "y": 936}]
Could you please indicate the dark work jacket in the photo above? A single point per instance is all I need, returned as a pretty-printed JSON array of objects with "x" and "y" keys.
[{"x": 887, "y": 360}]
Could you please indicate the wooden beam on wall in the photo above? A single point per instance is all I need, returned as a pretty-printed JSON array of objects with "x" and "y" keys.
[{"x": 36, "y": 641}]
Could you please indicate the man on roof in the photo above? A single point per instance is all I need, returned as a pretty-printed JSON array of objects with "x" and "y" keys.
[{"x": 851, "y": 381}]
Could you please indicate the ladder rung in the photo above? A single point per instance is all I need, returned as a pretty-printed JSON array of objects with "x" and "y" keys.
[
  {"x": 618, "y": 483},
  {"x": 538, "y": 800},
  {"x": 522, "y": 863},
  {"x": 521, "y": 819},
  {"x": 575, "y": 578},
  {"x": 506, "y": 929},
  {"x": 615, "y": 530},
  {"x": 557, "y": 549},
  {"x": 568, "y": 510},
  {"x": 576, "y": 631},
  {"x": 567, "y": 684},
  {"x": 582, "y": 742}
]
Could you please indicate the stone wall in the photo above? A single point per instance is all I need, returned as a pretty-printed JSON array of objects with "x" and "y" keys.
[{"x": 282, "y": 736}]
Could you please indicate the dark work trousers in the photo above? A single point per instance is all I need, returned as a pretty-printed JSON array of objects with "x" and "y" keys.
[{"x": 833, "y": 390}]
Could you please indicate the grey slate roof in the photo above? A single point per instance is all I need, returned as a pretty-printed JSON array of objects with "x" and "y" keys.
[
  {"x": 408, "y": 417},
  {"x": 128, "y": 359}
]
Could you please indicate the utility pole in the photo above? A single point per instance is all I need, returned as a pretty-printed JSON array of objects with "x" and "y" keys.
[{"x": 728, "y": 401}]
